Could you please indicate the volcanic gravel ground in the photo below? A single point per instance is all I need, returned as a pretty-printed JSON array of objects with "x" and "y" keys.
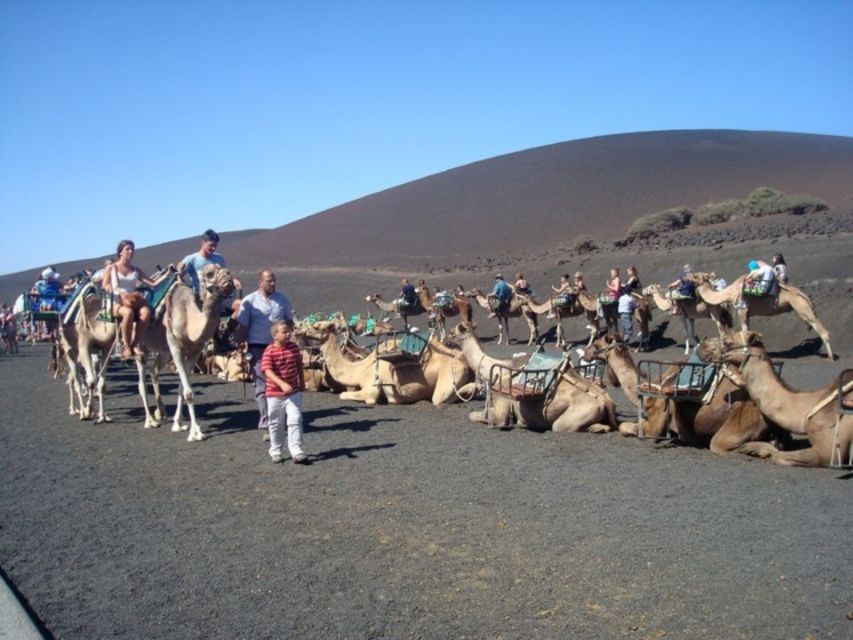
[{"x": 411, "y": 523}]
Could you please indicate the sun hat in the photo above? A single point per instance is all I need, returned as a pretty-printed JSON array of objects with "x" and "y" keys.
[
  {"x": 499, "y": 276},
  {"x": 753, "y": 265},
  {"x": 49, "y": 274},
  {"x": 687, "y": 268}
]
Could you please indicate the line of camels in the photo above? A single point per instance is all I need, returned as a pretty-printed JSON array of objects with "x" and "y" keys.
[{"x": 749, "y": 409}]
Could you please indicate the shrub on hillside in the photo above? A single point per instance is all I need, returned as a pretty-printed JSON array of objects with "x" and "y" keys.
[
  {"x": 585, "y": 244},
  {"x": 656, "y": 223},
  {"x": 717, "y": 212},
  {"x": 801, "y": 205}
]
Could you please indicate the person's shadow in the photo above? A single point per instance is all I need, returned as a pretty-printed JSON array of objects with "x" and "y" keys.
[{"x": 347, "y": 452}]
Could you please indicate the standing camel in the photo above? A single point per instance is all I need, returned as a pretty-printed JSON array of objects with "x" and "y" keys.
[
  {"x": 405, "y": 311},
  {"x": 180, "y": 334},
  {"x": 787, "y": 299},
  {"x": 689, "y": 311},
  {"x": 810, "y": 413},
  {"x": 516, "y": 308},
  {"x": 561, "y": 312}
]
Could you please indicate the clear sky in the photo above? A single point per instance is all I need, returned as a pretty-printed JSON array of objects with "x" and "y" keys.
[{"x": 154, "y": 120}]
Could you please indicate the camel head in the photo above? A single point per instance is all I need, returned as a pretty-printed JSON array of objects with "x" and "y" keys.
[
  {"x": 734, "y": 347},
  {"x": 651, "y": 289},
  {"x": 601, "y": 345},
  {"x": 316, "y": 331},
  {"x": 473, "y": 293},
  {"x": 702, "y": 277},
  {"x": 216, "y": 279},
  {"x": 373, "y": 297},
  {"x": 459, "y": 334}
]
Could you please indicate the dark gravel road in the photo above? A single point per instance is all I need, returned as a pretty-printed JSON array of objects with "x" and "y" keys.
[{"x": 410, "y": 523}]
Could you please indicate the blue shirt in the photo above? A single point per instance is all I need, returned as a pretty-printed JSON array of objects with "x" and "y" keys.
[
  {"x": 195, "y": 262},
  {"x": 502, "y": 290},
  {"x": 258, "y": 313}
]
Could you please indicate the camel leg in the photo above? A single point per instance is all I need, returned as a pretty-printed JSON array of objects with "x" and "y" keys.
[
  {"x": 806, "y": 314},
  {"x": 580, "y": 418},
  {"x": 99, "y": 388},
  {"x": 802, "y": 458},
  {"x": 141, "y": 371},
  {"x": 183, "y": 365}
]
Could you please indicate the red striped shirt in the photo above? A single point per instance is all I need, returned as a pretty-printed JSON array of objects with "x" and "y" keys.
[{"x": 285, "y": 362}]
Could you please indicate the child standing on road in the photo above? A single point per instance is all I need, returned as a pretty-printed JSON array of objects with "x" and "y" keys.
[{"x": 282, "y": 366}]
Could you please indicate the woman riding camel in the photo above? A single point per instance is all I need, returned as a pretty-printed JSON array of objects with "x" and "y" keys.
[
  {"x": 632, "y": 284},
  {"x": 130, "y": 307}
]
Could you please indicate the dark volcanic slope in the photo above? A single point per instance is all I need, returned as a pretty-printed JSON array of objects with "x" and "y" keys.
[
  {"x": 596, "y": 186},
  {"x": 528, "y": 202}
]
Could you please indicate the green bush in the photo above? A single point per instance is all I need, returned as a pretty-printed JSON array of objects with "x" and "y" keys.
[
  {"x": 800, "y": 205},
  {"x": 656, "y": 223},
  {"x": 717, "y": 212}
]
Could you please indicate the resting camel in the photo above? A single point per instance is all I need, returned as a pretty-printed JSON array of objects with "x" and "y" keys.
[
  {"x": 690, "y": 311},
  {"x": 436, "y": 377},
  {"x": 727, "y": 422},
  {"x": 787, "y": 299},
  {"x": 575, "y": 404},
  {"x": 810, "y": 413},
  {"x": 516, "y": 308},
  {"x": 180, "y": 334}
]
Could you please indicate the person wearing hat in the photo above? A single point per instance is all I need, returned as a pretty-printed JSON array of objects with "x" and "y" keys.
[
  {"x": 500, "y": 296},
  {"x": 759, "y": 281}
]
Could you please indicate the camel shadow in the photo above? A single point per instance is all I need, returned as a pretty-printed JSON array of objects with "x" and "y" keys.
[
  {"x": 348, "y": 452},
  {"x": 657, "y": 339},
  {"x": 808, "y": 347},
  {"x": 332, "y": 412},
  {"x": 236, "y": 422}
]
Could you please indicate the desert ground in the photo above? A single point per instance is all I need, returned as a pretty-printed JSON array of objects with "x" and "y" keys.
[
  {"x": 413, "y": 522},
  {"x": 410, "y": 522}
]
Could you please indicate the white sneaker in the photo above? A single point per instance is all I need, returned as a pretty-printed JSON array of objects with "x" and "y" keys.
[
  {"x": 300, "y": 458},
  {"x": 276, "y": 458}
]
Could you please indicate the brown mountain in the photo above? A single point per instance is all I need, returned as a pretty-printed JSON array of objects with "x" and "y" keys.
[
  {"x": 538, "y": 198},
  {"x": 523, "y": 210}
]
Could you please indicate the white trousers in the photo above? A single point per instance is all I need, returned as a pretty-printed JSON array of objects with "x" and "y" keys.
[{"x": 285, "y": 411}]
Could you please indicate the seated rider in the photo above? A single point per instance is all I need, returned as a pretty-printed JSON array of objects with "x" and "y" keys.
[
  {"x": 780, "y": 268},
  {"x": 681, "y": 289},
  {"x": 580, "y": 285},
  {"x": 614, "y": 286},
  {"x": 632, "y": 284},
  {"x": 760, "y": 279},
  {"x": 121, "y": 280},
  {"x": 564, "y": 295},
  {"x": 501, "y": 295},
  {"x": 521, "y": 285},
  {"x": 408, "y": 295}
]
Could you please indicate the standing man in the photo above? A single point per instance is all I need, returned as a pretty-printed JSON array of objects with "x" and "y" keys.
[{"x": 258, "y": 312}]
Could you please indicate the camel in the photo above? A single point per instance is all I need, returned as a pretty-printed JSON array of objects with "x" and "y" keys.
[
  {"x": 725, "y": 423},
  {"x": 516, "y": 308},
  {"x": 560, "y": 313},
  {"x": 786, "y": 299},
  {"x": 813, "y": 414},
  {"x": 87, "y": 341},
  {"x": 405, "y": 311},
  {"x": 689, "y": 311},
  {"x": 572, "y": 404},
  {"x": 436, "y": 377},
  {"x": 585, "y": 305},
  {"x": 180, "y": 334}
]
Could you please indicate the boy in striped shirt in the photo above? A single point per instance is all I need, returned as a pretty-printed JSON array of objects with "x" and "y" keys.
[{"x": 282, "y": 367}]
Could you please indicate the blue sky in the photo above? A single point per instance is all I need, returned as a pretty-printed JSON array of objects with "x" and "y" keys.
[{"x": 155, "y": 120}]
